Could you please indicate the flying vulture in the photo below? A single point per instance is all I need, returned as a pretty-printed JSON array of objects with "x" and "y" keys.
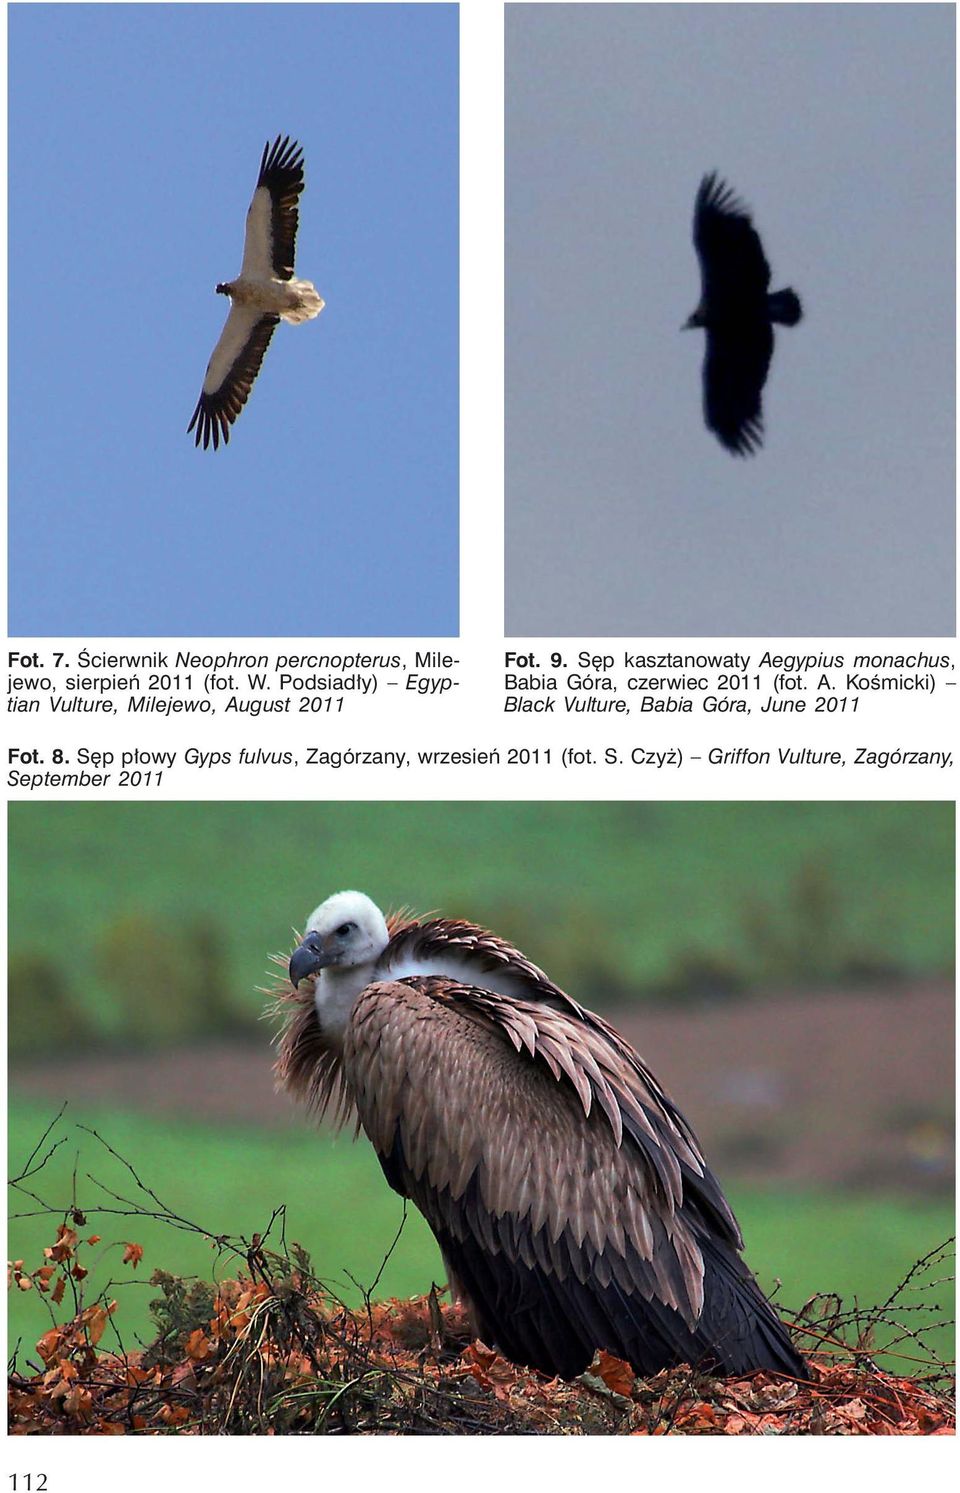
[
  {"x": 569, "y": 1196},
  {"x": 737, "y": 311},
  {"x": 264, "y": 293}
]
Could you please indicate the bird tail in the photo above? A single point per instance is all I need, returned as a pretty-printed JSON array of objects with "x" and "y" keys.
[
  {"x": 738, "y": 1324},
  {"x": 784, "y": 306}
]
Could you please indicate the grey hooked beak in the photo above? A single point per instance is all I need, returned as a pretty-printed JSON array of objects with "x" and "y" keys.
[{"x": 307, "y": 959}]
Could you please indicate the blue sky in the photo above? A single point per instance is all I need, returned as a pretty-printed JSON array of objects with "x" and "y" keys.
[
  {"x": 835, "y": 124},
  {"x": 135, "y": 138}
]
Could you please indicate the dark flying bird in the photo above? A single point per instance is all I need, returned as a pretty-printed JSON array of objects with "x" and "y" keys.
[
  {"x": 737, "y": 312},
  {"x": 569, "y": 1196},
  {"x": 264, "y": 293}
]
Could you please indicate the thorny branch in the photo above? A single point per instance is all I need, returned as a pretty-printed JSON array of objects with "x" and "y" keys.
[{"x": 278, "y": 1350}]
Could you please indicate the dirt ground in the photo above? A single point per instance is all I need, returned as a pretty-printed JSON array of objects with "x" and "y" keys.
[{"x": 843, "y": 1088}]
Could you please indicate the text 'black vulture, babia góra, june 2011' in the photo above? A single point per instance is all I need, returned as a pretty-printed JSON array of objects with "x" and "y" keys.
[{"x": 737, "y": 312}]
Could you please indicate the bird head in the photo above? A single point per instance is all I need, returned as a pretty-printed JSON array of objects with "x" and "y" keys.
[
  {"x": 695, "y": 319},
  {"x": 346, "y": 932},
  {"x": 223, "y": 290}
]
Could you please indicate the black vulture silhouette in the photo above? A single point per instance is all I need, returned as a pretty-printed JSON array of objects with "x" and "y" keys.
[{"x": 737, "y": 312}]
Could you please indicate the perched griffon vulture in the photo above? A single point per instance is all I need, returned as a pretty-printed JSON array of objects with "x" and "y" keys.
[
  {"x": 568, "y": 1195},
  {"x": 737, "y": 311},
  {"x": 264, "y": 293}
]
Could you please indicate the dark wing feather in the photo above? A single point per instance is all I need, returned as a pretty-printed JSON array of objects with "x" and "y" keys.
[
  {"x": 495, "y": 1116},
  {"x": 496, "y": 964},
  {"x": 234, "y": 364},
  {"x": 443, "y": 941},
  {"x": 281, "y": 176},
  {"x": 735, "y": 367},
  {"x": 732, "y": 262}
]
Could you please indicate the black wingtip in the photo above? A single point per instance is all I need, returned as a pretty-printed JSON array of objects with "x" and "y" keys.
[
  {"x": 208, "y": 428},
  {"x": 284, "y": 155}
]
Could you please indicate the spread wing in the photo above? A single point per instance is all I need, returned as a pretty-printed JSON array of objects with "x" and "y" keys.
[
  {"x": 568, "y": 1196},
  {"x": 273, "y": 215},
  {"x": 234, "y": 364},
  {"x": 735, "y": 368},
  {"x": 733, "y": 266}
]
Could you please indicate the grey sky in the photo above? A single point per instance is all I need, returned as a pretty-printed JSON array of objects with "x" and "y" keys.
[{"x": 835, "y": 124}]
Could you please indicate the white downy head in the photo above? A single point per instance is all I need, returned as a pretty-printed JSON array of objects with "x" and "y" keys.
[{"x": 344, "y": 940}]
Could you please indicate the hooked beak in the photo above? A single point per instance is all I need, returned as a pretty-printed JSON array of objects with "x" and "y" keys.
[{"x": 308, "y": 959}]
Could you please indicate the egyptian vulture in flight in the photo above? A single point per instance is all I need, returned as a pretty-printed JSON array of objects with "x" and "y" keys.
[
  {"x": 569, "y": 1196},
  {"x": 737, "y": 312},
  {"x": 264, "y": 293}
]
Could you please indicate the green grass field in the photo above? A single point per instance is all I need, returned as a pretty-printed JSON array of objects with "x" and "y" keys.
[
  {"x": 137, "y": 918},
  {"x": 340, "y": 1208}
]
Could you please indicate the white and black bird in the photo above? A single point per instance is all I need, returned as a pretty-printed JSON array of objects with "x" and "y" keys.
[
  {"x": 264, "y": 293},
  {"x": 569, "y": 1196}
]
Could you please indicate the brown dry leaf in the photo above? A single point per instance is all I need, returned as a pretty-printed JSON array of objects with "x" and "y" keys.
[
  {"x": 47, "y": 1345},
  {"x": 94, "y": 1320},
  {"x": 198, "y": 1346},
  {"x": 734, "y": 1425},
  {"x": 173, "y": 1415},
  {"x": 697, "y": 1416},
  {"x": 94, "y": 1239},
  {"x": 133, "y": 1254},
  {"x": 615, "y": 1373},
  {"x": 56, "y": 1295},
  {"x": 490, "y": 1370},
  {"x": 65, "y": 1245},
  {"x": 78, "y": 1400}
]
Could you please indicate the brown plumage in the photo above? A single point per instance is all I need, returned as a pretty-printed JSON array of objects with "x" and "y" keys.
[{"x": 568, "y": 1195}]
